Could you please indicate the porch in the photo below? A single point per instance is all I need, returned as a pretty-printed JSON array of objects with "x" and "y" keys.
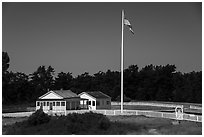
[{"x": 61, "y": 105}]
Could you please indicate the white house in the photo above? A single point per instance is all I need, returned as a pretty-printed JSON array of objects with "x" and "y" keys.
[
  {"x": 96, "y": 100},
  {"x": 59, "y": 101}
]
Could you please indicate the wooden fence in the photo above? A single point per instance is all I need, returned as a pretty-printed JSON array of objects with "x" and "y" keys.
[
  {"x": 195, "y": 107},
  {"x": 147, "y": 104},
  {"x": 183, "y": 116}
]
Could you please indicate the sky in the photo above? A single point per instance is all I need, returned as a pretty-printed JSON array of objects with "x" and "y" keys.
[{"x": 86, "y": 37}]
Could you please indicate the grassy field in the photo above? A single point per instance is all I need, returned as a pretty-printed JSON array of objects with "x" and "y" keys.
[
  {"x": 125, "y": 125},
  {"x": 7, "y": 122},
  {"x": 159, "y": 126},
  {"x": 185, "y": 104},
  {"x": 156, "y": 108},
  {"x": 18, "y": 108},
  {"x": 140, "y": 107}
]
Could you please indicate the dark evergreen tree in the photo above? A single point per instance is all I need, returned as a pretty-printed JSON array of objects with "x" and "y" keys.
[
  {"x": 63, "y": 81},
  {"x": 42, "y": 80}
]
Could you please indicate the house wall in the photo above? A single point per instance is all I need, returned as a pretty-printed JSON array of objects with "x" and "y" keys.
[
  {"x": 90, "y": 106},
  {"x": 71, "y": 104},
  {"x": 84, "y": 104},
  {"x": 103, "y": 103},
  {"x": 47, "y": 105},
  {"x": 52, "y": 102}
]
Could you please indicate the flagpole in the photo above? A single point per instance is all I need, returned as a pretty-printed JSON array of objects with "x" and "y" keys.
[{"x": 122, "y": 62}]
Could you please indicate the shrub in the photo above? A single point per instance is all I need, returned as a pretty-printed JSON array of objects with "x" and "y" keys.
[
  {"x": 99, "y": 120},
  {"x": 104, "y": 123},
  {"x": 37, "y": 118},
  {"x": 77, "y": 123},
  {"x": 86, "y": 123}
]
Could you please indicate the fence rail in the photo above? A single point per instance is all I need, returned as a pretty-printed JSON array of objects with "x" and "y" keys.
[
  {"x": 183, "y": 116},
  {"x": 147, "y": 104},
  {"x": 188, "y": 117},
  {"x": 155, "y": 104},
  {"x": 195, "y": 107}
]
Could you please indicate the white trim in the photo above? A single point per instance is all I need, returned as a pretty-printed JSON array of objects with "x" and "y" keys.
[
  {"x": 87, "y": 95},
  {"x": 94, "y": 97},
  {"x": 49, "y": 93}
]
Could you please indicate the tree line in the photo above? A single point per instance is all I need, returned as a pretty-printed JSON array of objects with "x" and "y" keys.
[{"x": 158, "y": 83}]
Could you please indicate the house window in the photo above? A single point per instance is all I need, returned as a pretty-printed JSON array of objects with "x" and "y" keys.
[
  {"x": 93, "y": 102},
  {"x": 102, "y": 102},
  {"x": 89, "y": 102},
  {"x": 58, "y": 104},
  {"x": 38, "y": 103},
  {"x": 44, "y": 103},
  {"x": 97, "y": 103},
  {"x": 62, "y": 103},
  {"x": 108, "y": 102},
  {"x": 53, "y": 103},
  {"x": 47, "y": 103}
]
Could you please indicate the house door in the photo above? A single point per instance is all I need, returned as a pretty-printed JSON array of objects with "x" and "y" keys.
[
  {"x": 89, "y": 105},
  {"x": 41, "y": 105},
  {"x": 51, "y": 106},
  {"x": 92, "y": 105}
]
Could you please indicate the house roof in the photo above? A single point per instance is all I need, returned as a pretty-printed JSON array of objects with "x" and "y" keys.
[
  {"x": 97, "y": 94},
  {"x": 65, "y": 93},
  {"x": 62, "y": 93}
]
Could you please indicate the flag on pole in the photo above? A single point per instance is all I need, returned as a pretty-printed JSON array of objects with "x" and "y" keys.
[{"x": 127, "y": 23}]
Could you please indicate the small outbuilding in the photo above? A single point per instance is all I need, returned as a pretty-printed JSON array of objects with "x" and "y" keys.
[
  {"x": 59, "y": 101},
  {"x": 96, "y": 100}
]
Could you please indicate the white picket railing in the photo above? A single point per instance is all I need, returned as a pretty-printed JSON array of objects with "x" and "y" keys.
[
  {"x": 147, "y": 104},
  {"x": 195, "y": 107},
  {"x": 188, "y": 117}
]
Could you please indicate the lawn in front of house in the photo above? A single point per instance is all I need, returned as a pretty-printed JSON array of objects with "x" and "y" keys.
[
  {"x": 120, "y": 125},
  {"x": 160, "y": 126},
  {"x": 23, "y": 107}
]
